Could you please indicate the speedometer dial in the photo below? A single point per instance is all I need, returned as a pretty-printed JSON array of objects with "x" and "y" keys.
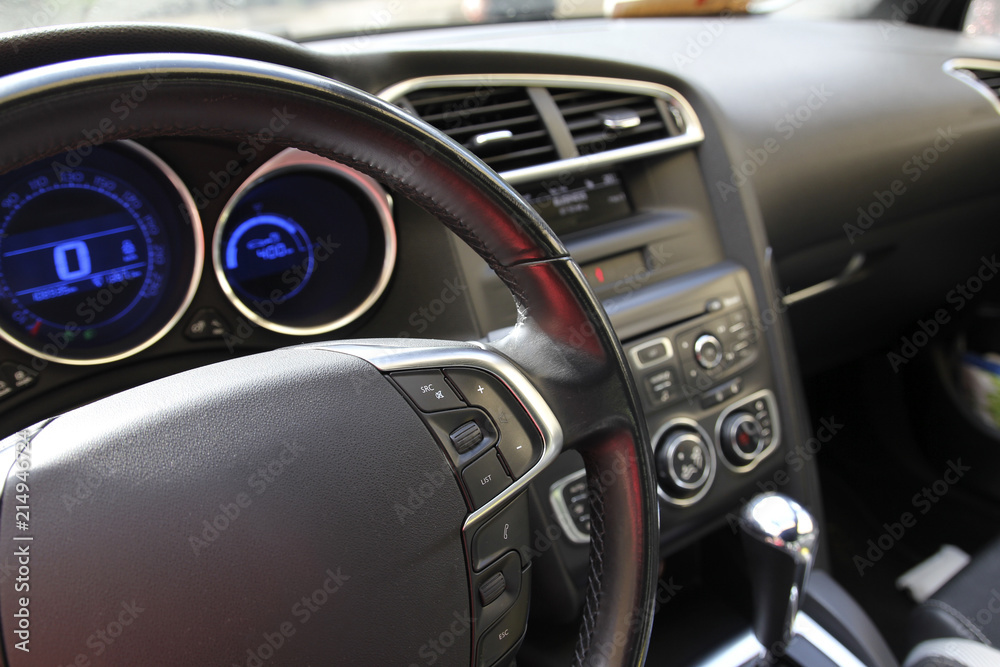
[{"x": 97, "y": 260}]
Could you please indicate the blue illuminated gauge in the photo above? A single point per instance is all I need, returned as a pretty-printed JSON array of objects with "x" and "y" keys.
[
  {"x": 99, "y": 254},
  {"x": 305, "y": 246},
  {"x": 264, "y": 248}
]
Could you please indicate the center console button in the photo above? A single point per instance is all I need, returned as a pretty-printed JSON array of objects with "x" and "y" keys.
[
  {"x": 485, "y": 478},
  {"x": 652, "y": 352},
  {"x": 708, "y": 351},
  {"x": 743, "y": 437},
  {"x": 683, "y": 462}
]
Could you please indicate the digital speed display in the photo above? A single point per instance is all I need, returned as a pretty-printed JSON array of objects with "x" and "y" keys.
[
  {"x": 305, "y": 246},
  {"x": 264, "y": 247},
  {"x": 96, "y": 260}
]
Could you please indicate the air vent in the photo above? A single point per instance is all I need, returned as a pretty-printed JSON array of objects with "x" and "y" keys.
[
  {"x": 982, "y": 75},
  {"x": 534, "y": 126},
  {"x": 602, "y": 120},
  {"x": 991, "y": 79},
  {"x": 499, "y": 124}
]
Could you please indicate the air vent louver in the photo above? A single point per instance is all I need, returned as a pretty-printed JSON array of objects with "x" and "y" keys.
[
  {"x": 991, "y": 79},
  {"x": 603, "y": 120},
  {"x": 501, "y": 125}
]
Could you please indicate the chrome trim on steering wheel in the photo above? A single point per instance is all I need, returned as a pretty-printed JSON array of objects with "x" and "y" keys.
[{"x": 390, "y": 359}]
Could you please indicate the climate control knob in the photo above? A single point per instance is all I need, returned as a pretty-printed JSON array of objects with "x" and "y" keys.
[
  {"x": 742, "y": 438},
  {"x": 708, "y": 351},
  {"x": 683, "y": 463}
]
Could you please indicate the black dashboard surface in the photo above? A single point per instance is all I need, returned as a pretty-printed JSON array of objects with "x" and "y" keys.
[{"x": 846, "y": 137}]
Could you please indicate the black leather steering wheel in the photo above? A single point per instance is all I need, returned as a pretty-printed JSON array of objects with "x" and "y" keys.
[{"x": 313, "y": 559}]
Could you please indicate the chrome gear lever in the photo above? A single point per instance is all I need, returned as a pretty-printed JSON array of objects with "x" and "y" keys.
[{"x": 779, "y": 539}]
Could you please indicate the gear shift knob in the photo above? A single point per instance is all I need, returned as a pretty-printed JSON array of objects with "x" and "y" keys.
[{"x": 779, "y": 539}]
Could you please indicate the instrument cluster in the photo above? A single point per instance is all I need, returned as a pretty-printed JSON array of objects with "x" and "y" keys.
[{"x": 101, "y": 256}]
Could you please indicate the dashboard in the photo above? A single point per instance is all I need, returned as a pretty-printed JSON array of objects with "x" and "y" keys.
[{"x": 708, "y": 201}]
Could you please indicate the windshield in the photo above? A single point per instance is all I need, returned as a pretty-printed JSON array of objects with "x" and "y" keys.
[{"x": 309, "y": 19}]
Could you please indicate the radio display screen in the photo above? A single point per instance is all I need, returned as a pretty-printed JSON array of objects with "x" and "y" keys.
[{"x": 579, "y": 202}]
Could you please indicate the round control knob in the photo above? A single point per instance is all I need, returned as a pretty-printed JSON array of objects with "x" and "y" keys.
[
  {"x": 683, "y": 462},
  {"x": 742, "y": 438},
  {"x": 708, "y": 351}
]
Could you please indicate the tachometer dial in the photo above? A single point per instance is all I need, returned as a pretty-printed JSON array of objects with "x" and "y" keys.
[{"x": 97, "y": 260}]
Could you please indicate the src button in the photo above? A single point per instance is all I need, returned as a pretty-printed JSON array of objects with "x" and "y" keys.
[{"x": 428, "y": 390}]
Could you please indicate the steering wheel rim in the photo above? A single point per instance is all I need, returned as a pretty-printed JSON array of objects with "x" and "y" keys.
[{"x": 563, "y": 341}]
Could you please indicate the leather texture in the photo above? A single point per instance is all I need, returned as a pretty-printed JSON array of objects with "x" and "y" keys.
[
  {"x": 248, "y": 504},
  {"x": 968, "y": 606},
  {"x": 564, "y": 342},
  {"x": 28, "y": 49},
  {"x": 839, "y": 614},
  {"x": 952, "y": 653}
]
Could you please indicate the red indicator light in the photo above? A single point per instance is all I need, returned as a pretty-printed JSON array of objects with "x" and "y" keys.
[{"x": 599, "y": 274}]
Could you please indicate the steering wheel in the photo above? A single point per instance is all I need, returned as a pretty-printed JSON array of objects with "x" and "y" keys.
[{"x": 313, "y": 505}]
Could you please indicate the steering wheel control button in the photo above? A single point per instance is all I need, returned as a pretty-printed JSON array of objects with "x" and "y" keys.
[
  {"x": 684, "y": 462},
  {"x": 708, "y": 351},
  {"x": 485, "y": 478},
  {"x": 496, "y": 589},
  {"x": 506, "y": 531},
  {"x": 519, "y": 455},
  {"x": 429, "y": 390},
  {"x": 492, "y": 589},
  {"x": 207, "y": 324},
  {"x": 503, "y": 636},
  {"x": 520, "y": 443},
  {"x": 466, "y": 436},
  {"x": 652, "y": 352},
  {"x": 447, "y": 425}
]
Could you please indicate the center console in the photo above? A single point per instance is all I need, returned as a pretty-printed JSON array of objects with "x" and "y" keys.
[{"x": 688, "y": 292}]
